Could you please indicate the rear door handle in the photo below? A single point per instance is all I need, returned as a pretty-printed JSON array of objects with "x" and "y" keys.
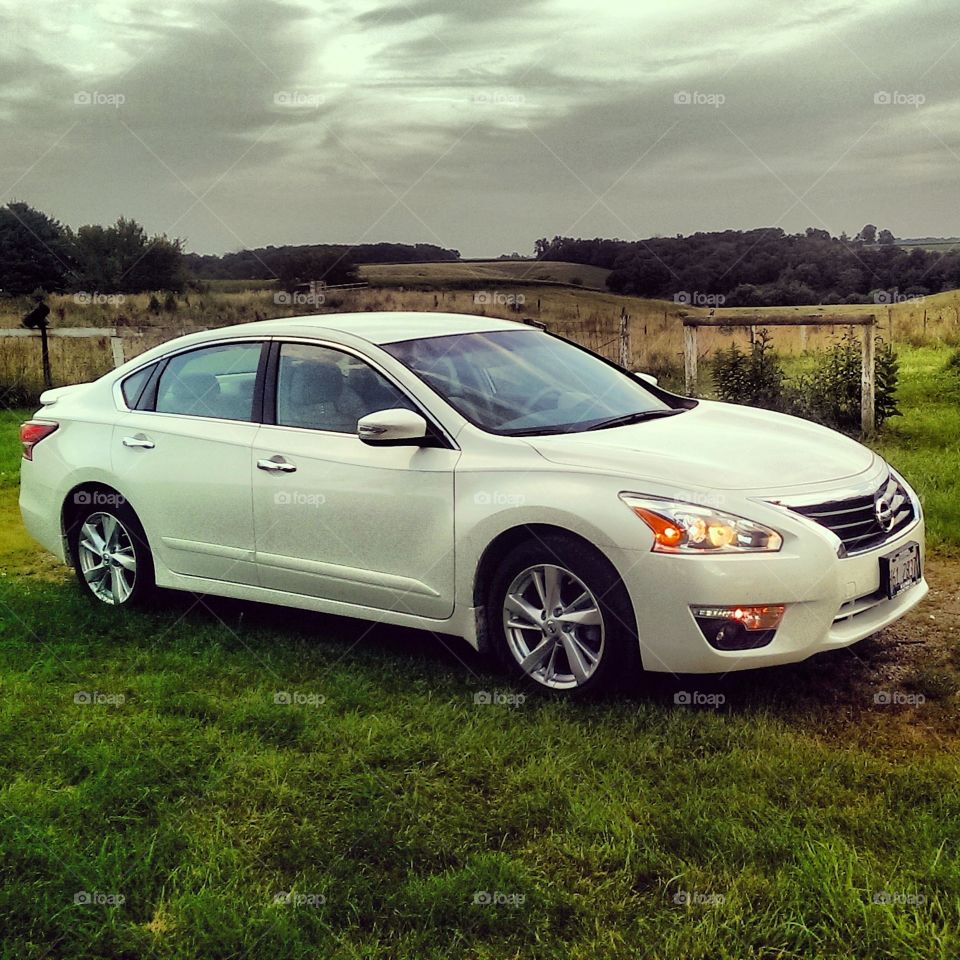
[
  {"x": 276, "y": 464},
  {"x": 138, "y": 440}
]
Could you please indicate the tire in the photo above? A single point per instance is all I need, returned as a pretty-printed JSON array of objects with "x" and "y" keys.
[
  {"x": 110, "y": 552},
  {"x": 586, "y": 643}
]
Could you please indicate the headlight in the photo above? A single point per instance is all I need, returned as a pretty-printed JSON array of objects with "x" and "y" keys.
[{"x": 690, "y": 528}]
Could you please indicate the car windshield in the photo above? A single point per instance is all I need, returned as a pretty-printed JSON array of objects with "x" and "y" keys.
[{"x": 527, "y": 382}]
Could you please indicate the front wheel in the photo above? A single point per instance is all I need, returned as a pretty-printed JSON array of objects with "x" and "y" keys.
[
  {"x": 560, "y": 616},
  {"x": 111, "y": 556}
]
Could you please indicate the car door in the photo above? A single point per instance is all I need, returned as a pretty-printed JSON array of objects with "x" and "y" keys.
[
  {"x": 335, "y": 517},
  {"x": 183, "y": 460}
]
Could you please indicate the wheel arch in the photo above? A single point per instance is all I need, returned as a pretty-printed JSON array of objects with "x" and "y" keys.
[
  {"x": 77, "y": 497},
  {"x": 502, "y": 544}
]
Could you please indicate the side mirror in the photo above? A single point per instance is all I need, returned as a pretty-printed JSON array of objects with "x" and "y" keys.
[
  {"x": 648, "y": 377},
  {"x": 396, "y": 427}
]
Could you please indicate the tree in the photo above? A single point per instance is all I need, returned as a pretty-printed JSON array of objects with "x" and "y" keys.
[
  {"x": 123, "y": 259},
  {"x": 886, "y": 237},
  {"x": 34, "y": 251},
  {"x": 308, "y": 266},
  {"x": 868, "y": 234}
]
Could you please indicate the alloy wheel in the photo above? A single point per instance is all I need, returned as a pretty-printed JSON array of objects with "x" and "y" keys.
[
  {"x": 108, "y": 560},
  {"x": 554, "y": 626}
]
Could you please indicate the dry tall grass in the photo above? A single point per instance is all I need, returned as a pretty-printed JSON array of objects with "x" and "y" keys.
[{"x": 589, "y": 317}]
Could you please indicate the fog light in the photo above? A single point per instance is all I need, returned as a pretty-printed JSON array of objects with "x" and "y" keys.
[{"x": 740, "y": 627}]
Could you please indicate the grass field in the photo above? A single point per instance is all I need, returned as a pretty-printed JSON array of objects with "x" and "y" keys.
[
  {"x": 156, "y": 800},
  {"x": 474, "y": 273}
]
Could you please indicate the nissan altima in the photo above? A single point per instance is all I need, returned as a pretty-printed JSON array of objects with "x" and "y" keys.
[{"x": 475, "y": 477}]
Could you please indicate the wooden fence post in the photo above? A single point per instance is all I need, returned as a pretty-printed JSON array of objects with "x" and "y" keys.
[
  {"x": 116, "y": 346},
  {"x": 868, "y": 418},
  {"x": 690, "y": 359},
  {"x": 624, "y": 358}
]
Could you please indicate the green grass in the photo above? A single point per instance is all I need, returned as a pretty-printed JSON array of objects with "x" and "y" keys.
[{"x": 630, "y": 827}]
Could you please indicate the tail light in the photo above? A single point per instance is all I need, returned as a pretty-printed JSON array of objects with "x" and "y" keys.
[{"x": 32, "y": 432}]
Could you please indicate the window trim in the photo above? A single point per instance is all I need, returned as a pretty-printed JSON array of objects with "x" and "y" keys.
[{"x": 437, "y": 435}]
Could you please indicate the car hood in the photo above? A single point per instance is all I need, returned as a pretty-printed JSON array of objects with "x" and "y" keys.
[{"x": 719, "y": 446}]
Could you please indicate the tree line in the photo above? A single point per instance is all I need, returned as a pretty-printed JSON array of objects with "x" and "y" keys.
[
  {"x": 764, "y": 267},
  {"x": 38, "y": 255}
]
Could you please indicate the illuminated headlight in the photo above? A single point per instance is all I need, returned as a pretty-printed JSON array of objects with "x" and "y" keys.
[{"x": 690, "y": 528}]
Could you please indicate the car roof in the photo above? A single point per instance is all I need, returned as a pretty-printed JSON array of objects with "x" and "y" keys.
[{"x": 380, "y": 327}]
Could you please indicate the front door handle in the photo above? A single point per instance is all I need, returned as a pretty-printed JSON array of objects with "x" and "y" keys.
[
  {"x": 276, "y": 464},
  {"x": 138, "y": 440}
]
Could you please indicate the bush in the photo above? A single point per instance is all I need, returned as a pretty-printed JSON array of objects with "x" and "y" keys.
[
  {"x": 830, "y": 394},
  {"x": 754, "y": 378}
]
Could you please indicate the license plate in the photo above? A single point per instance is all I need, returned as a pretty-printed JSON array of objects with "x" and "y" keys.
[{"x": 900, "y": 569}]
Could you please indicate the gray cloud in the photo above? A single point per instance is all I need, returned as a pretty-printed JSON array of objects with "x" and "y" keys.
[{"x": 482, "y": 126}]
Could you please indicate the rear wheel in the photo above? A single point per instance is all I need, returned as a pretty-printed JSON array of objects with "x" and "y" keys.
[
  {"x": 110, "y": 554},
  {"x": 561, "y": 617}
]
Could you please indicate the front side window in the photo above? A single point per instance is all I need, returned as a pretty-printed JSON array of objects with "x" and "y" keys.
[
  {"x": 211, "y": 382},
  {"x": 325, "y": 389},
  {"x": 524, "y": 381}
]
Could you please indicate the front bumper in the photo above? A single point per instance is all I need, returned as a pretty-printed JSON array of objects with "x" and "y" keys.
[{"x": 831, "y": 602}]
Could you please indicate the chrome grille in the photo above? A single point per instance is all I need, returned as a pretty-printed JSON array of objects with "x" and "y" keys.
[{"x": 858, "y": 520}]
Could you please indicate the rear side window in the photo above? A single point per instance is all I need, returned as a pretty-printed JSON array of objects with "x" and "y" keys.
[
  {"x": 211, "y": 382},
  {"x": 132, "y": 387}
]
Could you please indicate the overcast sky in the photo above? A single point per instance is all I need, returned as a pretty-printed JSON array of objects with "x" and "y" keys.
[{"x": 481, "y": 125}]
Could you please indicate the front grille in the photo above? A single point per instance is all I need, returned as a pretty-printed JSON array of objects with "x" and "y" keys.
[{"x": 857, "y": 520}]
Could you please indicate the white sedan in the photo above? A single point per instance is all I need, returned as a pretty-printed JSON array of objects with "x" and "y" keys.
[{"x": 475, "y": 477}]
